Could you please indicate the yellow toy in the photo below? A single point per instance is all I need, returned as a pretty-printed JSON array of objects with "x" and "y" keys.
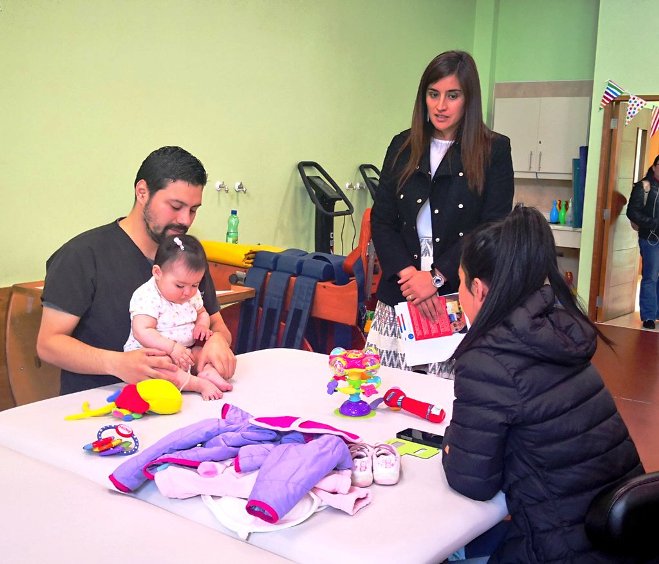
[{"x": 134, "y": 400}]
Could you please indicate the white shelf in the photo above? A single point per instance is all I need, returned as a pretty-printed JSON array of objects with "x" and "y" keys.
[{"x": 568, "y": 237}]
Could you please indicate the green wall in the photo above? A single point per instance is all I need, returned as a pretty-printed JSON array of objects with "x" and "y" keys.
[
  {"x": 542, "y": 41},
  {"x": 533, "y": 40},
  {"x": 88, "y": 89},
  {"x": 251, "y": 87}
]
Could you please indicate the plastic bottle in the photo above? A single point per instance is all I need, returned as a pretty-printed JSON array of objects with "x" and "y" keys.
[
  {"x": 232, "y": 227},
  {"x": 569, "y": 215},
  {"x": 553, "y": 214},
  {"x": 562, "y": 210}
]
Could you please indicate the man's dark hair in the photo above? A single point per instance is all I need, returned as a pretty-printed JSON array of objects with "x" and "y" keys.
[{"x": 169, "y": 164}]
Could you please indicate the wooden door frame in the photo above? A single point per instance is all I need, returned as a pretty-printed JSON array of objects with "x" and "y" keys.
[{"x": 600, "y": 239}]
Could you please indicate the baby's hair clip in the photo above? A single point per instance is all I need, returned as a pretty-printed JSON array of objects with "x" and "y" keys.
[{"x": 179, "y": 243}]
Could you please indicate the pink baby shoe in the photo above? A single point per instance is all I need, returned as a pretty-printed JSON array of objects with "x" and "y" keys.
[
  {"x": 386, "y": 464},
  {"x": 362, "y": 464}
]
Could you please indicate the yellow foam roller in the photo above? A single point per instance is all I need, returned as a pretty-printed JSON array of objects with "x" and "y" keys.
[{"x": 235, "y": 254}]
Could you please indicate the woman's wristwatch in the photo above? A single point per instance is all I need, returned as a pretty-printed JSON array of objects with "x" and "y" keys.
[{"x": 437, "y": 279}]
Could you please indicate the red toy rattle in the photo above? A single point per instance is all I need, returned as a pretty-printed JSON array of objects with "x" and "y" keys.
[{"x": 395, "y": 398}]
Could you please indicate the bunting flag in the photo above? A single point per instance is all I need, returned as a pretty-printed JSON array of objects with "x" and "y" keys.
[
  {"x": 654, "y": 122},
  {"x": 612, "y": 91},
  {"x": 635, "y": 106}
]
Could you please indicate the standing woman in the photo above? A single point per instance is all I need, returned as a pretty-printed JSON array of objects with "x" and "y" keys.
[
  {"x": 643, "y": 211},
  {"x": 440, "y": 179}
]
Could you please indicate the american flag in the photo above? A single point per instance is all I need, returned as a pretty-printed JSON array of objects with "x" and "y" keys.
[
  {"x": 612, "y": 91},
  {"x": 654, "y": 122}
]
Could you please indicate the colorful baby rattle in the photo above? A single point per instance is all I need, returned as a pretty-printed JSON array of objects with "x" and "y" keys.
[
  {"x": 124, "y": 445},
  {"x": 354, "y": 375}
]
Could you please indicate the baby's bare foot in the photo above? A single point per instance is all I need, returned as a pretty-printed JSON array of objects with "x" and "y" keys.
[
  {"x": 209, "y": 391},
  {"x": 210, "y": 374}
]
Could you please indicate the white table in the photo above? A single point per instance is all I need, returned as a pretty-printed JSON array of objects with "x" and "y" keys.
[
  {"x": 51, "y": 515},
  {"x": 418, "y": 520}
]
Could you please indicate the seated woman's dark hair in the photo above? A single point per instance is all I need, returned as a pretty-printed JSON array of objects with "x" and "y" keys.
[
  {"x": 515, "y": 257},
  {"x": 185, "y": 247}
]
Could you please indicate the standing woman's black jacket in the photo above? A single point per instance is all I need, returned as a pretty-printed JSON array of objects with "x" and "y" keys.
[
  {"x": 646, "y": 216},
  {"x": 455, "y": 210},
  {"x": 532, "y": 418}
]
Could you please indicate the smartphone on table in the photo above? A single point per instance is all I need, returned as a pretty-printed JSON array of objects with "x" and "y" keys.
[{"x": 421, "y": 437}]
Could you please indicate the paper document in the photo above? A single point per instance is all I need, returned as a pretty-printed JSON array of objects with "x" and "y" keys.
[{"x": 425, "y": 341}]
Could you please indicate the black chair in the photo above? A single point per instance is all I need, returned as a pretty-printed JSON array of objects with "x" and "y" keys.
[{"x": 624, "y": 519}]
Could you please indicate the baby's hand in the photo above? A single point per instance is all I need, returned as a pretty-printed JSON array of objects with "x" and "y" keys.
[
  {"x": 201, "y": 333},
  {"x": 182, "y": 357}
]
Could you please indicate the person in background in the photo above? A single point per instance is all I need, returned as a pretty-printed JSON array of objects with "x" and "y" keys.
[
  {"x": 643, "y": 212},
  {"x": 531, "y": 415},
  {"x": 440, "y": 179},
  {"x": 167, "y": 313},
  {"x": 90, "y": 281}
]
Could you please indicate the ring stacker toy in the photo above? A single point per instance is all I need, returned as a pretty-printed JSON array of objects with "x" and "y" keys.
[
  {"x": 126, "y": 443},
  {"x": 354, "y": 374}
]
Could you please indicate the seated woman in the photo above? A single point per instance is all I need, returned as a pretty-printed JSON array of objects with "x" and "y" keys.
[{"x": 531, "y": 415}]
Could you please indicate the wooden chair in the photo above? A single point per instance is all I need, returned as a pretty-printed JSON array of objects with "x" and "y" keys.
[{"x": 30, "y": 378}]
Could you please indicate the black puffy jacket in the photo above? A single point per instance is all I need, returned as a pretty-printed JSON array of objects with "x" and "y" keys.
[{"x": 532, "y": 418}]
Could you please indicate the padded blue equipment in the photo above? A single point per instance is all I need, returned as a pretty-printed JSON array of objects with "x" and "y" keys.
[
  {"x": 322, "y": 332},
  {"x": 313, "y": 271},
  {"x": 309, "y": 269},
  {"x": 289, "y": 264},
  {"x": 264, "y": 262}
]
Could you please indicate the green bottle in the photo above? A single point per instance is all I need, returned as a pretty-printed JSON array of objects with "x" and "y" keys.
[
  {"x": 561, "y": 212},
  {"x": 232, "y": 227}
]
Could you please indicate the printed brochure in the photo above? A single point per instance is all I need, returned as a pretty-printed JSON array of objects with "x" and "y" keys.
[{"x": 425, "y": 341}]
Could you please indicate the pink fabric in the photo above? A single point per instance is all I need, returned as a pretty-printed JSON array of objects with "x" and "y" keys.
[
  {"x": 208, "y": 469},
  {"x": 220, "y": 479},
  {"x": 182, "y": 483},
  {"x": 350, "y": 502},
  {"x": 288, "y": 423},
  {"x": 336, "y": 482}
]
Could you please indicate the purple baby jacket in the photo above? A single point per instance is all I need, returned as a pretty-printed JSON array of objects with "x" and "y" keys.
[{"x": 291, "y": 462}]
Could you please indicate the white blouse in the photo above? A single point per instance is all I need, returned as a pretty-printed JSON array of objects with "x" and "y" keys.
[{"x": 438, "y": 149}]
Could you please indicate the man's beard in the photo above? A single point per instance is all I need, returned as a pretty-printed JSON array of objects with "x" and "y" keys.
[{"x": 157, "y": 235}]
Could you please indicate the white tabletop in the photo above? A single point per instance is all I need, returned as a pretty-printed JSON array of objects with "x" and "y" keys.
[
  {"x": 51, "y": 515},
  {"x": 418, "y": 520}
]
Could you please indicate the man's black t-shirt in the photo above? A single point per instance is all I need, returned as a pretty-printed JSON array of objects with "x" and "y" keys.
[{"x": 93, "y": 276}]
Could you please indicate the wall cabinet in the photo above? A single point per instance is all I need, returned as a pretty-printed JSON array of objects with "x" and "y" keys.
[{"x": 545, "y": 133}]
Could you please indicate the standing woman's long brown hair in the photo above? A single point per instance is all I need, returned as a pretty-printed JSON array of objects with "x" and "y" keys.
[{"x": 472, "y": 134}]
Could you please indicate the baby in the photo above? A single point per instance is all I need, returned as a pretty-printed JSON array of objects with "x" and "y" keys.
[{"x": 167, "y": 313}]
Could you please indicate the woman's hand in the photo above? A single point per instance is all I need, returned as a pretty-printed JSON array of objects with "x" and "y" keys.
[
  {"x": 416, "y": 285},
  {"x": 418, "y": 289},
  {"x": 429, "y": 308}
]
